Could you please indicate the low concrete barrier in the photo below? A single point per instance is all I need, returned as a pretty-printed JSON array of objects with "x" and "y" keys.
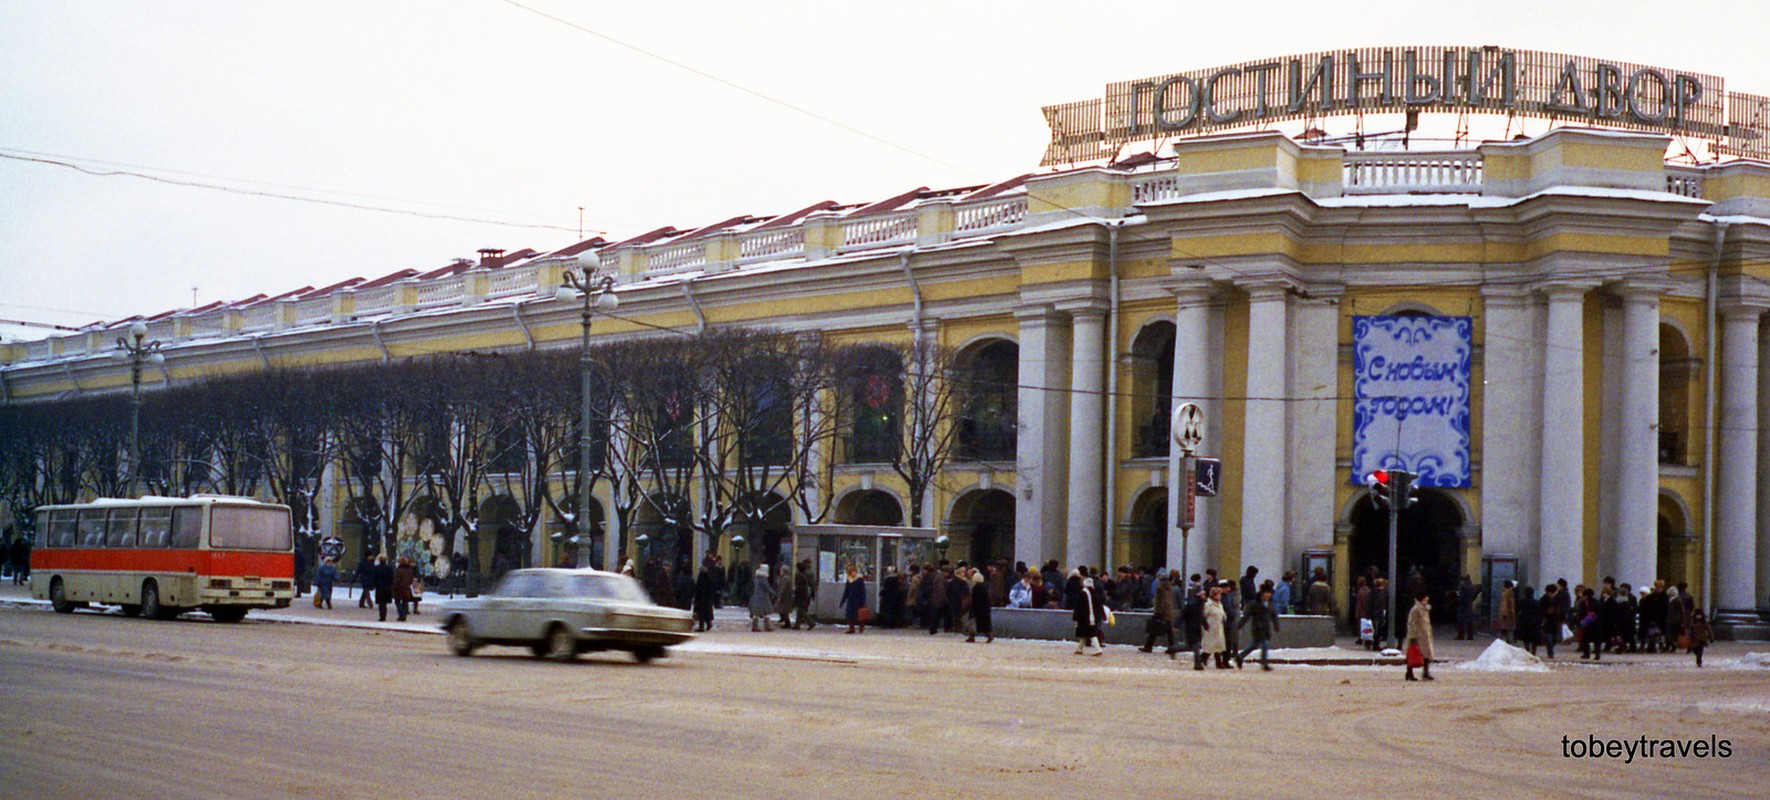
[{"x": 1044, "y": 623}]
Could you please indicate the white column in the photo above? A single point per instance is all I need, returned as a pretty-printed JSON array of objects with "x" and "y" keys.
[
  {"x": 1763, "y": 518},
  {"x": 1507, "y": 406},
  {"x": 1041, "y": 452},
  {"x": 1264, "y": 458},
  {"x": 1562, "y": 510},
  {"x": 1087, "y": 438},
  {"x": 1736, "y": 476},
  {"x": 1314, "y": 424},
  {"x": 1637, "y": 511},
  {"x": 1192, "y": 384}
]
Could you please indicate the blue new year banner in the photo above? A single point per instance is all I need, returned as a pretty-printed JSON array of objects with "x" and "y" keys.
[{"x": 1410, "y": 391}]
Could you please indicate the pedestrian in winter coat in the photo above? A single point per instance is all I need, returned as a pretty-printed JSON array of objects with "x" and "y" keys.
[
  {"x": 783, "y": 600},
  {"x": 1263, "y": 622},
  {"x": 383, "y": 579},
  {"x": 1213, "y": 643},
  {"x": 1419, "y": 633},
  {"x": 1379, "y": 610},
  {"x": 1088, "y": 609},
  {"x": 762, "y": 597},
  {"x": 1554, "y": 612},
  {"x": 706, "y": 594},
  {"x": 1530, "y": 620},
  {"x": 1467, "y": 593},
  {"x": 323, "y": 579},
  {"x": 1192, "y": 621},
  {"x": 365, "y": 582},
  {"x": 980, "y": 608},
  {"x": 1700, "y": 634},
  {"x": 958, "y": 599},
  {"x": 804, "y": 594},
  {"x": 1506, "y": 619},
  {"x": 1281, "y": 595},
  {"x": 403, "y": 575},
  {"x": 1162, "y": 616},
  {"x": 891, "y": 596},
  {"x": 1020, "y": 594},
  {"x": 854, "y": 600},
  {"x": 1321, "y": 596},
  {"x": 1231, "y": 600},
  {"x": 1674, "y": 616}
]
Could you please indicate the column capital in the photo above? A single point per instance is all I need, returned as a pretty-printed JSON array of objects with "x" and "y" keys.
[
  {"x": 1565, "y": 290},
  {"x": 1037, "y": 314},
  {"x": 1267, "y": 290},
  {"x": 1741, "y": 307},
  {"x": 1641, "y": 289},
  {"x": 1504, "y": 295},
  {"x": 1084, "y": 308}
]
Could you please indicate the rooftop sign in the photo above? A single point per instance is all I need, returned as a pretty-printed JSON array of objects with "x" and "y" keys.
[{"x": 1489, "y": 80}]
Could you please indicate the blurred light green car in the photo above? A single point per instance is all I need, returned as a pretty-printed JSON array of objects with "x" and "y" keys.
[{"x": 559, "y": 613}]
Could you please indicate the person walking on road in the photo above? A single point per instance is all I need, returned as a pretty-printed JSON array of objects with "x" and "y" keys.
[
  {"x": 1506, "y": 618},
  {"x": 1699, "y": 634},
  {"x": 1419, "y": 634},
  {"x": 854, "y": 601},
  {"x": 705, "y": 593},
  {"x": 1259, "y": 616},
  {"x": 1212, "y": 644},
  {"x": 324, "y": 578},
  {"x": 382, "y": 573},
  {"x": 403, "y": 576},
  {"x": 762, "y": 597},
  {"x": 365, "y": 581},
  {"x": 980, "y": 608},
  {"x": 1161, "y": 617},
  {"x": 1192, "y": 622},
  {"x": 1530, "y": 620},
  {"x": 1088, "y": 609},
  {"x": 804, "y": 594}
]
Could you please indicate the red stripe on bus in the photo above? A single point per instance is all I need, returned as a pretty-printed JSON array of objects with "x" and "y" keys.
[{"x": 201, "y": 562}]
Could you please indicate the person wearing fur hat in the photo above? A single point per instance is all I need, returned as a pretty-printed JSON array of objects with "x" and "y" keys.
[
  {"x": 1088, "y": 609},
  {"x": 762, "y": 597},
  {"x": 980, "y": 606}
]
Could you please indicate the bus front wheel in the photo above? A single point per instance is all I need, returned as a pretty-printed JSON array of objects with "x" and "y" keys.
[
  {"x": 150, "y": 602},
  {"x": 58, "y": 598}
]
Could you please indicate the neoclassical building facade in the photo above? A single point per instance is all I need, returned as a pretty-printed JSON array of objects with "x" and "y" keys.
[{"x": 1603, "y": 310}]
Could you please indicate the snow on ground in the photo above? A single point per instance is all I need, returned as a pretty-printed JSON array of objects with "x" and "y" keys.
[
  {"x": 1747, "y": 661},
  {"x": 1503, "y": 657}
]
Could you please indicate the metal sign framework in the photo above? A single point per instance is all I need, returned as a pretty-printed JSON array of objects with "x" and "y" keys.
[{"x": 1487, "y": 80}]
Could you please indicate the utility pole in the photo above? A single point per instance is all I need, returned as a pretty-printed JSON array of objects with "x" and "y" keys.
[{"x": 1395, "y": 489}]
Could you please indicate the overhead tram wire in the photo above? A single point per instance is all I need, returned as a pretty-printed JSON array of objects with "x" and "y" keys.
[{"x": 106, "y": 173}]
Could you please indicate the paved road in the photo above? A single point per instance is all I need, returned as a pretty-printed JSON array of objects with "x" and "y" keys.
[{"x": 100, "y": 705}]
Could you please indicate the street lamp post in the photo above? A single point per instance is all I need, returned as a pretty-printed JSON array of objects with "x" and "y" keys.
[
  {"x": 137, "y": 351},
  {"x": 596, "y": 292}
]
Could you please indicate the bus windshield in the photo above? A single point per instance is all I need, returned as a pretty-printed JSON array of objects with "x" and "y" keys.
[{"x": 237, "y": 528}]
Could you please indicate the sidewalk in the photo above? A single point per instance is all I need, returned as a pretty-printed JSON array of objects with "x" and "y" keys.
[{"x": 731, "y": 636}]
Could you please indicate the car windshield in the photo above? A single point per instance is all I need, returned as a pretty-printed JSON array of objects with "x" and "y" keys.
[{"x": 609, "y": 587}]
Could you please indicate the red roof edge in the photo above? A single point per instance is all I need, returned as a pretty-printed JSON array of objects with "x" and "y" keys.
[
  {"x": 793, "y": 218},
  {"x": 325, "y": 290},
  {"x": 889, "y": 203},
  {"x": 388, "y": 278},
  {"x": 588, "y": 244},
  {"x": 997, "y": 188},
  {"x": 284, "y": 296},
  {"x": 648, "y": 237},
  {"x": 717, "y": 226}
]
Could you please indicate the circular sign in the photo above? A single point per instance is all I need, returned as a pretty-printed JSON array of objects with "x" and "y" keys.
[{"x": 1189, "y": 426}]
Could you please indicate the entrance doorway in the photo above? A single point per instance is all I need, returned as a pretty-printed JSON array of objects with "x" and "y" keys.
[
  {"x": 1426, "y": 545},
  {"x": 983, "y": 527},
  {"x": 1147, "y": 536}
]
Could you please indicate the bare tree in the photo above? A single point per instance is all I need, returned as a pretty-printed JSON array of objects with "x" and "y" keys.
[
  {"x": 382, "y": 417},
  {"x": 902, "y": 403}
]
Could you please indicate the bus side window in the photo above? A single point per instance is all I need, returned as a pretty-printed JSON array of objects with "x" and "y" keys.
[
  {"x": 187, "y": 527},
  {"x": 91, "y": 527},
  {"x": 120, "y": 532},
  {"x": 61, "y": 528},
  {"x": 156, "y": 526}
]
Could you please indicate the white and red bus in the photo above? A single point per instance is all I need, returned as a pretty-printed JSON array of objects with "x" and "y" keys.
[{"x": 162, "y": 556}]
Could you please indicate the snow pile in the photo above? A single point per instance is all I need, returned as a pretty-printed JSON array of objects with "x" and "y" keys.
[
  {"x": 1502, "y": 657},
  {"x": 1747, "y": 661}
]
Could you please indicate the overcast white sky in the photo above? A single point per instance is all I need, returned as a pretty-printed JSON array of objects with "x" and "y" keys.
[{"x": 479, "y": 108}]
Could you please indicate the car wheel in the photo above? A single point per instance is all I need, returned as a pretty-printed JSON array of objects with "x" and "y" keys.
[
  {"x": 645, "y": 655},
  {"x": 58, "y": 598},
  {"x": 228, "y": 614},
  {"x": 562, "y": 646},
  {"x": 461, "y": 638}
]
